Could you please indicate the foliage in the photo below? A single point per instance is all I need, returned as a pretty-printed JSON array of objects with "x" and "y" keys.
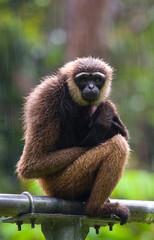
[
  {"x": 137, "y": 231},
  {"x": 132, "y": 48},
  {"x": 26, "y": 54}
]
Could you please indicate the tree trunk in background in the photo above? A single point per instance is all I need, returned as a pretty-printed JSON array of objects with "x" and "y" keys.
[{"x": 87, "y": 27}]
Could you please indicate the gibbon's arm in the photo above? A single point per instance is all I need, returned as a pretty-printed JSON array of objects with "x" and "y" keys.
[
  {"x": 41, "y": 132},
  {"x": 105, "y": 123},
  {"x": 49, "y": 163}
]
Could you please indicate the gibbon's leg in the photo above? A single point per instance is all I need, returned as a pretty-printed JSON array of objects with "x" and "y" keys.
[
  {"x": 99, "y": 169},
  {"x": 108, "y": 176}
]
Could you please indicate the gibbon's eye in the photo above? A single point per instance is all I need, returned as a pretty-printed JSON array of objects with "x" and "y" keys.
[
  {"x": 97, "y": 80},
  {"x": 83, "y": 80}
]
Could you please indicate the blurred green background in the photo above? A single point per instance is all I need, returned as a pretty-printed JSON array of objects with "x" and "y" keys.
[{"x": 37, "y": 37}]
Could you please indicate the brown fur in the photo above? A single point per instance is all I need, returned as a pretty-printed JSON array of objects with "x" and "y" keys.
[{"x": 52, "y": 152}]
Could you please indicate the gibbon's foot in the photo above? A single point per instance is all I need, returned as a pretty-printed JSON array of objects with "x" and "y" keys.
[{"x": 115, "y": 208}]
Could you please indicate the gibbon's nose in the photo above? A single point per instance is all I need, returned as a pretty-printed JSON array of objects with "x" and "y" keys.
[{"x": 91, "y": 85}]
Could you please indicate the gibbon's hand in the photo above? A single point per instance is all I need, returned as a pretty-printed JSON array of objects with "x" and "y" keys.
[
  {"x": 118, "y": 126},
  {"x": 105, "y": 123},
  {"x": 103, "y": 115},
  {"x": 98, "y": 128},
  {"x": 108, "y": 121},
  {"x": 95, "y": 136}
]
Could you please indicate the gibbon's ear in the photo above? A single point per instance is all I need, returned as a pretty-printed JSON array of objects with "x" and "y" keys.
[{"x": 88, "y": 65}]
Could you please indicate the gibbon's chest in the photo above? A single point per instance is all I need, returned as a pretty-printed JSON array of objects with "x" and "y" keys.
[{"x": 74, "y": 125}]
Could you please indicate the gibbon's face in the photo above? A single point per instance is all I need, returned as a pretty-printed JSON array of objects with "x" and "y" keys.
[
  {"x": 90, "y": 85},
  {"x": 89, "y": 80}
]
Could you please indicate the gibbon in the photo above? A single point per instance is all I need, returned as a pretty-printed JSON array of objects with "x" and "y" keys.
[{"x": 75, "y": 143}]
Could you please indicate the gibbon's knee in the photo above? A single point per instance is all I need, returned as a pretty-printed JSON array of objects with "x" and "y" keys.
[{"x": 119, "y": 147}]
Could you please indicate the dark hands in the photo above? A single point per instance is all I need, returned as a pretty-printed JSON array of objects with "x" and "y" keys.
[
  {"x": 103, "y": 126},
  {"x": 119, "y": 127}
]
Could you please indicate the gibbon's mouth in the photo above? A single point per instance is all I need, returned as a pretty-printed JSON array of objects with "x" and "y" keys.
[{"x": 90, "y": 96}]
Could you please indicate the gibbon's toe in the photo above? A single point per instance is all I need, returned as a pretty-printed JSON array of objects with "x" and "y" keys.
[{"x": 117, "y": 209}]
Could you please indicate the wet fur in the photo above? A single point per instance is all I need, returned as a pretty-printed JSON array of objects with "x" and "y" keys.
[{"x": 76, "y": 151}]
